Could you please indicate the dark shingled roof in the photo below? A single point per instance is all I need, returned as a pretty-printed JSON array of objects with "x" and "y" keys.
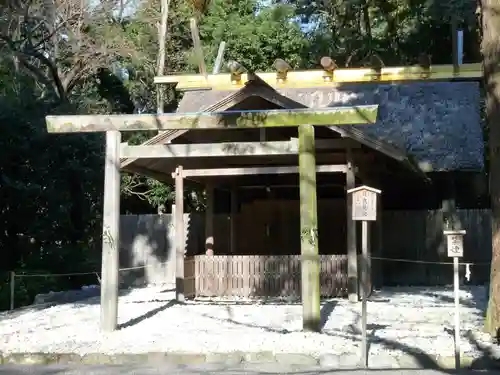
[{"x": 435, "y": 123}]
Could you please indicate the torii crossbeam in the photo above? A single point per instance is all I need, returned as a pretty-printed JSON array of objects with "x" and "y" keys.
[
  {"x": 213, "y": 120},
  {"x": 305, "y": 119}
]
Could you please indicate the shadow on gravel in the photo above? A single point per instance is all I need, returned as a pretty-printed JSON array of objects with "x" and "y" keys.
[
  {"x": 479, "y": 299},
  {"x": 325, "y": 312},
  {"x": 254, "y": 369},
  {"x": 421, "y": 358},
  {"x": 149, "y": 314},
  {"x": 76, "y": 298}
]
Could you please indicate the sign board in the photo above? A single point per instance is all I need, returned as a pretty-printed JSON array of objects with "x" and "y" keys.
[
  {"x": 364, "y": 203},
  {"x": 455, "y": 245},
  {"x": 455, "y": 241}
]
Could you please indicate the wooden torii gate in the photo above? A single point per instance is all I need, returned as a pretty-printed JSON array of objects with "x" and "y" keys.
[{"x": 303, "y": 118}]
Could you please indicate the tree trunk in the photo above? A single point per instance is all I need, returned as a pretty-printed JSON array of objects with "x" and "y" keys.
[{"x": 491, "y": 58}]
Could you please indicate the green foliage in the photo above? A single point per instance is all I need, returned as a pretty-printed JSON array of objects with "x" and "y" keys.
[
  {"x": 398, "y": 31},
  {"x": 50, "y": 187},
  {"x": 254, "y": 37}
]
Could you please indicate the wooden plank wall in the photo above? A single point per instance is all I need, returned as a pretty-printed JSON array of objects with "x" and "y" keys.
[
  {"x": 418, "y": 235},
  {"x": 272, "y": 228},
  {"x": 415, "y": 235},
  {"x": 264, "y": 276}
]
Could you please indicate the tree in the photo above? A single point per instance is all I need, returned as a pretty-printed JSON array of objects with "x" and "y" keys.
[
  {"x": 62, "y": 42},
  {"x": 55, "y": 57},
  {"x": 50, "y": 189},
  {"x": 255, "y": 36},
  {"x": 396, "y": 30},
  {"x": 490, "y": 47}
]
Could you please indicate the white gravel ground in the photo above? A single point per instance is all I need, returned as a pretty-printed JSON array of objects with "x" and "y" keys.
[{"x": 400, "y": 320}]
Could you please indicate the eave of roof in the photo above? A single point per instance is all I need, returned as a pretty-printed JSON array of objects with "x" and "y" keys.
[
  {"x": 255, "y": 86},
  {"x": 169, "y": 135}
]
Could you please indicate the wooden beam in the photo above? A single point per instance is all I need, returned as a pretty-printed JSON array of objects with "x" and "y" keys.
[
  {"x": 220, "y": 58},
  {"x": 198, "y": 49},
  {"x": 352, "y": 252},
  {"x": 379, "y": 248},
  {"x": 232, "y": 223},
  {"x": 209, "y": 220},
  {"x": 214, "y": 120},
  {"x": 454, "y": 44},
  {"x": 110, "y": 233},
  {"x": 315, "y": 78},
  {"x": 288, "y": 186},
  {"x": 180, "y": 240},
  {"x": 219, "y": 172},
  {"x": 197, "y": 150},
  {"x": 310, "y": 266}
]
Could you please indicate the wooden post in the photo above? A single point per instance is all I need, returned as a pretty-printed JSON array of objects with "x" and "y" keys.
[
  {"x": 198, "y": 49},
  {"x": 111, "y": 233},
  {"x": 173, "y": 249},
  {"x": 368, "y": 265},
  {"x": 309, "y": 230},
  {"x": 364, "y": 281},
  {"x": 12, "y": 289},
  {"x": 180, "y": 241},
  {"x": 456, "y": 293},
  {"x": 220, "y": 58},
  {"x": 209, "y": 221},
  {"x": 352, "y": 252},
  {"x": 454, "y": 51},
  {"x": 364, "y": 209},
  {"x": 378, "y": 279},
  {"x": 448, "y": 205},
  {"x": 455, "y": 244},
  {"x": 232, "y": 223}
]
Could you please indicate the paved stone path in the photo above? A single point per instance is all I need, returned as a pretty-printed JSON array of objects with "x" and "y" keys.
[{"x": 255, "y": 369}]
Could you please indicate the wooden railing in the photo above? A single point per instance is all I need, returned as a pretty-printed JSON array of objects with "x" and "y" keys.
[{"x": 260, "y": 276}]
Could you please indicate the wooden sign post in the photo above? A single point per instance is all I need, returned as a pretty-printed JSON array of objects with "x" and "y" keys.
[
  {"x": 364, "y": 209},
  {"x": 455, "y": 240}
]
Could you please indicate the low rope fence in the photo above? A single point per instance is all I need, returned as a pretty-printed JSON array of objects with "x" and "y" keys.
[{"x": 13, "y": 276}]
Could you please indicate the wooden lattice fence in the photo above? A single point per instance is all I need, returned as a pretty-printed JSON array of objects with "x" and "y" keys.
[{"x": 260, "y": 276}]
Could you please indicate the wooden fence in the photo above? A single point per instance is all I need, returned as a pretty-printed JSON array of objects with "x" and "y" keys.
[
  {"x": 415, "y": 235},
  {"x": 418, "y": 235},
  {"x": 260, "y": 276}
]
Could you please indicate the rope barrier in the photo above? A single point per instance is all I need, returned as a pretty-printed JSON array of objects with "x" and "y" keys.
[
  {"x": 429, "y": 262},
  {"x": 24, "y": 274},
  {"x": 54, "y": 274},
  {"x": 15, "y": 275}
]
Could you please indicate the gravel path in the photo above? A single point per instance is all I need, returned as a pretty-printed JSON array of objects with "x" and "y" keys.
[
  {"x": 207, "y": 369},
  {"x": 401, "y": 320}
]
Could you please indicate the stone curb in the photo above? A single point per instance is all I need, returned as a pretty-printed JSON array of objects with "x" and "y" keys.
[{"x": 331, "y": 361}]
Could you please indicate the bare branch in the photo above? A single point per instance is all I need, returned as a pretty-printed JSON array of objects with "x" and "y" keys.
[{"x": 61, "y": 42}]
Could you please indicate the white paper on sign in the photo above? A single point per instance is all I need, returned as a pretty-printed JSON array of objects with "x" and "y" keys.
[
  {"x": 455, "y": 245},
  {"x": 364, "y": 205}
]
